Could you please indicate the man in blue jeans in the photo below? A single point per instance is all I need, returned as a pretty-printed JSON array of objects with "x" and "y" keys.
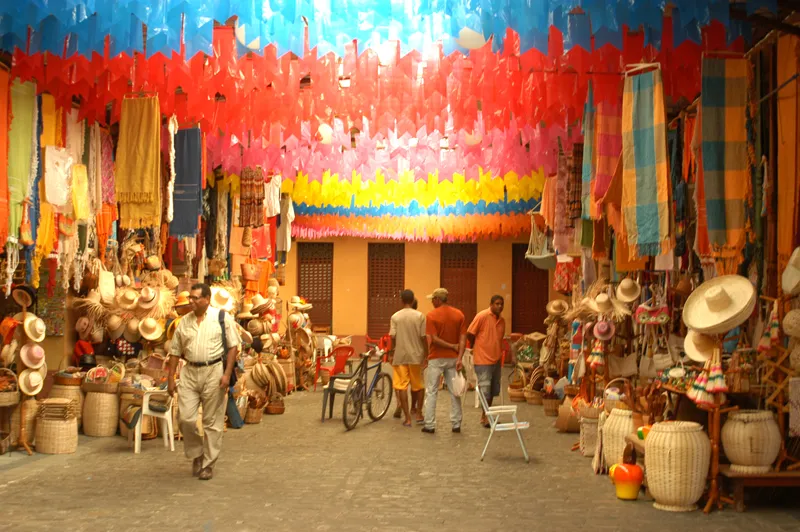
[{"x": 446, "y": 330}]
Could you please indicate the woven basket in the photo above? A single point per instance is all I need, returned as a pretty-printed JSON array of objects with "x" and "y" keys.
[
  {"x": 751, "y": 440},
  {"x": 253, "y": 416},
  {"x": 572, "y": 390},
  {"x": 588, "y": 441},
  {"x": 618, "y": 425},
  {"x": 67, "y": 381},
  {"x": 676, "y": 457},
  {"x": 10, "y": 398},
  {"x": 100, "y": 414},
  {"x": 57, "y": 436},
  {"x": 98, "y": 387},
  {"x": 158, "y": 375},
  {"x": 532, "y": 397},
  {"x": 551, "y": 407},
  {"x": 274, "y": 409},
  {"x": 289, "y": 370},
  {"x": 516, "y": 395},
  {"x": 5, "y": 442},
  {"x": 69, "y": 392},
  {"x": 612, "y": 404},
  {"x": 590, "y": 412},
  {"x": 31, "y": 407}
]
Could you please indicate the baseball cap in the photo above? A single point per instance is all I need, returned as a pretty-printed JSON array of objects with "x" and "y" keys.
[{"x": 440, "y": 293}]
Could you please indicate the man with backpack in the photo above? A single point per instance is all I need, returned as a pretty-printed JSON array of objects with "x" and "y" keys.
[{"x": 208, "y": 341}]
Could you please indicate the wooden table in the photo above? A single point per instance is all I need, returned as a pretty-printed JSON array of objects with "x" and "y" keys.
[{"x": 738, "y": 482}]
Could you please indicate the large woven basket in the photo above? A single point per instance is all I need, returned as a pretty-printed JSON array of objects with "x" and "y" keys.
[
  {"x": 10, "y": 398},
  {"x": 5, "y": 442},
  {"x": 253, "y": 416},
  {"x": 31, "y": 407},
  {"x": 532, "y": 397},
  {"x": 516, "y": 395},
  {"x": 65, "y": 380},
  {"x": 751, "y": 440},
  {"x": 676, "y": 457},
  {"x": 274, "y": 409},
  {"x": 100, "y": 387},
  {"x": 100, "y": 414},
  {"x": 588, "y": 441},
  {"x": 56, "y": 436},
  {"x": 69, "y": 392},
  {"x": 618, "y": 425},
  {"x": 551, "y": 407}
]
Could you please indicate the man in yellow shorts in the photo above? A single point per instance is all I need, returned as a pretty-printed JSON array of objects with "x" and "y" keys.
[{"x": 409, "y": 350}]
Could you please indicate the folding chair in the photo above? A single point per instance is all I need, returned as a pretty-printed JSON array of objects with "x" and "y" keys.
[{"x": 493, "y": 413}]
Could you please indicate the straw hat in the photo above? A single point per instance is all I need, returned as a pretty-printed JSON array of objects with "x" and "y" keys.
[
  {"x": 604, "y": 330},
  {"x": 149, "y": 298},
  {"x": 115, "y": 326},
  {"x": 791, "y": 323},
  {"x": 295, "y": 320},
  {"x": 173, "y": 282},
  {"x": 172, "y": 327},
  {"x": 790, "y": 279},
  {"x": 32, "y": 355},
  {"x": 601, "y": 304},
  {"x": 273, "y": 282},
  {"x": 256, "y": 327},
  {"x": 222, "y": 299},
  {"x": 132, "y": 333},
  {"x": 247, "y": 338},
  {"x": 31, "y": 382},
  {"x": 260, "y": 304},
  {"x": 150, "y": 329},
  {"x": 246, "y": 313},
  {"x": 183, "y": 300},
  {"x": 152, "y": 263},
  {"x": 272, "y": 291},
  {"x": 270, "y": 339},
  {"x": 697, "y": 346},
  {"x": 298, "y": 304},
  {"x": 557, "y": 307},
  {"x": 628, "y": 290},
  {"x": 34, "y": 328},
  {"x": 720, "y": 304},
  {"x": 127, "y": 299},
  {"x": 24, "y": 295},
  {"x": 97, "y": 335},
  {"x": 82, "y": 326},
  {"x": 536, "y": 336}
]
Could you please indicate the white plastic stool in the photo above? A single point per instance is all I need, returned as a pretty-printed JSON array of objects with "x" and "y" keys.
[{"x": 165, "y": 420}]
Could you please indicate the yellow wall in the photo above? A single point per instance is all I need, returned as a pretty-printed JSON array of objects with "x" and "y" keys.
[
  {"x": 423, "y": 271},
  {"x": 494, "y": 275}
]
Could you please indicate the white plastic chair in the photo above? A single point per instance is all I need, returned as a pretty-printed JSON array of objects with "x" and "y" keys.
[
  {"x": 493, "y": 413},
  {"x": 165, "y": 420}
]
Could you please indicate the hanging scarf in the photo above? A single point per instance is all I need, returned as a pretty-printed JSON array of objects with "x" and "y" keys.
[
  {"x": 75, "y": 136},
  {"x": 562, "y": 235},
  {"x": 678, "y": 189},
  {"x": 32, "y": 203},
  {"x": 575, "y": 166},
  {"x": 645, "y": 191},
  {"x": 107, "y": 167},
  {"x": 20, "y": 156},
  {"x": 588, "y": 160},
  {"x": 188, "y": 192},
  {"x": 173, "y": 129},
  {"x": 5, "y": 124},
  {"x": 608, "y": 146}
]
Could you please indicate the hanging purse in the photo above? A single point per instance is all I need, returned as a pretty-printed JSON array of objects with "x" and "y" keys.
[
  {"x": 622, "y": 366},
  {"x": 25, "y": 230}
]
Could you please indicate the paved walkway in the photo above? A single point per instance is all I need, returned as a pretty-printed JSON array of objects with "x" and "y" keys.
[{"x": 293, "y": 473}]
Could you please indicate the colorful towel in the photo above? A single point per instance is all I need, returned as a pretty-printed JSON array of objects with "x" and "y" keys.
[
  {"x": 608, "y": 146},
  {"x": 188, "y": 192},
  {"x": 5, "y": 124},
  {"x": 645, "y": 191},
  {"x": 562, "y": 234},
  {"x": 574, "y": 185},
  {"x": 725, "y": 171},
  {"x": 786, "y": 176},
  {"x": 23, "y": 127},
  {"x": 588, "y": 163},
  {"x": 138, "y": 172},
  {"x": 107, "y": 167},
  {"x": 689, "y": 163}
]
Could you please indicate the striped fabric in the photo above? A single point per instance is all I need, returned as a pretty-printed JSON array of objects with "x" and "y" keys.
[
  {"x": 608, "y": 145},
  {"x": 588, "y": 165},
  {"x": 724, "y": 134},
  {"x": 645, "y": 190}
]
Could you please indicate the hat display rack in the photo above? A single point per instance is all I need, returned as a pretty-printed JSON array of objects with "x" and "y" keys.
[{"x": 24, "y": 372}]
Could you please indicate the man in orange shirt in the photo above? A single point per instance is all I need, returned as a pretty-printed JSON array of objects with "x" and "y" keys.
[
  {"x": 446, "y": 331},
  {"x": 485, "y": 334}
]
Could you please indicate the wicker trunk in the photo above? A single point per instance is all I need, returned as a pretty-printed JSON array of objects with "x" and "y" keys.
[
  {"x": 618, "y": 425},
  {"x": 100, "y": 414},
  {"x": 56, "y": 436},
  {"x": 751, "y": 440},
  {"x": 588, "y": 440}
]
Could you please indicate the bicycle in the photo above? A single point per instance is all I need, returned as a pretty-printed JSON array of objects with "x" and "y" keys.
[{"x": 378, "y": 396}]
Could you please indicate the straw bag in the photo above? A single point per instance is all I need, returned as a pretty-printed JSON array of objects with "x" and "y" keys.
[
  {"x": 105, "y": 283},
  {"x": 11, "y": 397},
  {"x": 253, "y": 415},
  {"x": 459, "y": 384},
  {"x": 251, "y": 271},
  {"x": 551, "y": 407},
  {"x": 247, "y": 237},
  {"x": 622, "y": 366}
]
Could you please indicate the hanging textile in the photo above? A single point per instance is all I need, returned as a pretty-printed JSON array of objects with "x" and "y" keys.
[
  {"x": 104, "y": 220},
  {"x": 678, "y": 188},
  {"x": 284, "y": 236},
  {"x": 5, "y": 125},
  {"x": 107, "y": 167},
  {"x": 188, "y": 194},
  {"x": 702, "y": 246},
  {"x": 80, "y": 193},
  {"x": 689, "y": 163},
  {"x": 252, "y": 197},
  {"x": 588, "y": 159},
  {"x": 575, "y": 165},
  {"x": 138, "y": 172},
  {"x": 725, "y": 174},
  {"x": 548, "y": 205},
  {"x": 49, "y": 136},
  {"x": 562, "y": 234},
  {"x": 787, "y": 139},
  {"x": 272, "y": 196},
  {"x": 608, "y": 146},
  {"x": 23, "y": 129},
  {"x": 75, "y": 135},
  {"x": 172, "y": 130},
  {"x": 57, "y": 178},
  {"x": 645, "y": 191},
  {"x": 95, "y": 168}
]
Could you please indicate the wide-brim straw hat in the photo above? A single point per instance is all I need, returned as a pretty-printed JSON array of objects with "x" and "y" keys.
[
  {"x": 790, "y": 278},
  {"x": 115, "y": 326},
  {"x": 604, "y": 330},
  {"x": 222, "y": 299},
  {"x": 23, "y": 295},
  {"x": 82, "y": 326},
  {"x": 720, "y": 304},
  {"x": 127, "y": 299},
  {"x": 182, "y": 300},
  {"x": 172, "y": 327},
  {"x": 270, "y": 339},
  {"x": 628, "y": 290},
  {"x": 32, "y": 355},
  {"x": 131, "y": 333},
  {"x": 149, "y": 297},
  {"x": 601, "y": 304},
  {"x": 153, "y": 262},
  {"x": 261, "y": 304},
  {"x": 791, "y": 323},
  {"x": 557, "y": 307},
  {"x": 151, "y": 329},
  {"x": 247, "y": 312},
  {"x": 31, "y": 381},
  {"x": 34, "y": 328},
  {"x": 256, "y": 327},
  {"x": 297, "y": 303},
  {"x": 698, "y": 347}
]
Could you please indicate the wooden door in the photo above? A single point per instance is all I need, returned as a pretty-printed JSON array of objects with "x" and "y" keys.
[
  {"x": 386, "y": 279},
  {"x": 529, "y": 292},
  {"x": 459, "y": 275},
  {"x": 315, "y": 280}
]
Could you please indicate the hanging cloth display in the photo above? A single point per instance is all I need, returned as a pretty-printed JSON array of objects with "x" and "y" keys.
[
  {"x": 107, "y": 167},
  {"x": 188, "y": 192},
  {"x": 80, "y": 193},
  {"x": 5, "y": 124},
  {"x": 645, "y": 191},
  {"x": 272, "y": 196},
  {"x": 57, "y": 178},
  {"x": 608, "y": 146},
  {"x": 562, "y": 234},
  {"x": 539, "y": 253},
  {"x": 284, "y": 237},
  {"x": 588, "y": 162},
  {"x": 23, "y": 129}
]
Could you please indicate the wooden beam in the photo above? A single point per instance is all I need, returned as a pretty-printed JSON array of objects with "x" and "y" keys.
[{"x": 765, "y": 22}]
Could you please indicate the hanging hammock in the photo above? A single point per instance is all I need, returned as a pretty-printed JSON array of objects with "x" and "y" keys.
[{"x": 540, "y": 253}]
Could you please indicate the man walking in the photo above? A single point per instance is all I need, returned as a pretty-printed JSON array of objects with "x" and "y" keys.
[
  {"x": 446, "y": 329},
  {"x": 409, "y": 350},
  {"x": 485, "y": 334},
  {"x": 205, "y": 377}
]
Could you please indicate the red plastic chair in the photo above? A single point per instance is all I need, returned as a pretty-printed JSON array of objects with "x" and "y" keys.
[
  {"x": 342, "y": 354},
  {"x": 339, "y": 355}
]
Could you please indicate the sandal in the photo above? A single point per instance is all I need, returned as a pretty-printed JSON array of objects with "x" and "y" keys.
[{"x": 407, "y": 424}]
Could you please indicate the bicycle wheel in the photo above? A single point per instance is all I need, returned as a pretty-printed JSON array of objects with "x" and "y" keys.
[
  {"x": 353, "y": 401},
  {"x": 380, "y": 397}
]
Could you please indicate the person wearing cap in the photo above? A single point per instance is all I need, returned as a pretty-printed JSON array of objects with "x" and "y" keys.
[
  {"x": 204, "y": 380},
  {"x": 446, "y": 330},
  {"x": 409, "y": 349},
  {"x": 485, "y": 335}
]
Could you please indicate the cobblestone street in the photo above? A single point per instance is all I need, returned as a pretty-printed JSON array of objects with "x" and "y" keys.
[{"x": 293, "y": 473}]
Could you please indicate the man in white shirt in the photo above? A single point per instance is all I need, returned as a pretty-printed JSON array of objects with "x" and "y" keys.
[
  {"x": 204, "y": 379},
  {"x": 409, "y": 350}
]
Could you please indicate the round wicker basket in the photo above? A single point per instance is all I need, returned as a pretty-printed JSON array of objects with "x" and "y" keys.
[
  {"x": 677, "y": 455},
  {"x": 100, "y": 414},
  {"x": 253, "y": 416},
  {"x": 274, "y": 409},
  {"x": 31, "y": 407},
  {"x": 67, "y": 381},
  {"x": 57, "y": 436},
  {"x": 10, "y": 398},
  {"x": 751, "y": 440},
  {"x": 588, "y": 440},
  {"x": 551, "y": 407},
  {"x": 98, "y": 387},
  {"x": 618, "y": 425},
  {"x": 516, "y": 395},
  {"x": 69, "y": 392},
  {"x": 532, "y": 397}
]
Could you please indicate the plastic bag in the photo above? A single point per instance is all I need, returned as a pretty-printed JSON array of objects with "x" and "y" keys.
[{"x": 459, "y": 385}]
